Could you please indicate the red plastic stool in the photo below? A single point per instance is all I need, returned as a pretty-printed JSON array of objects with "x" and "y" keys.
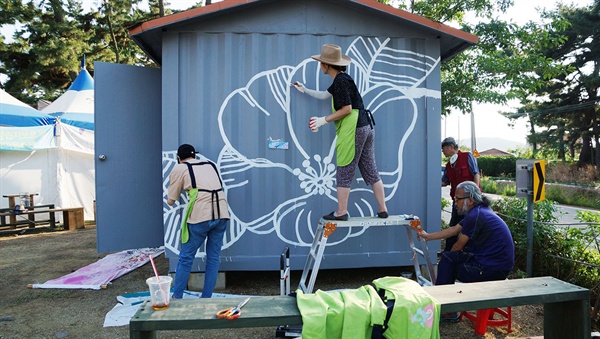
[{"x": 484, "y": 318}]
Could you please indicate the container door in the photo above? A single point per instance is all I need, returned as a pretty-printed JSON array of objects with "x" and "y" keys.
[{"x": 128, "y": 157}]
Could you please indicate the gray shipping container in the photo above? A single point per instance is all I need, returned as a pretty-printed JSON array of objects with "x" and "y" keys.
[{"x": 224, "y": 87}]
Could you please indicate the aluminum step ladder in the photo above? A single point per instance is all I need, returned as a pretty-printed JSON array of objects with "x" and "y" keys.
[
  {"x": 326, "y": 227},
  {"x": 423, "y": 252}
]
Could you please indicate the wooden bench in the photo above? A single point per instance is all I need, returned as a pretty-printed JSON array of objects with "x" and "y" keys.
[
  {"x": 72, "y": 217},
  {"x": 566, "y": 308}
]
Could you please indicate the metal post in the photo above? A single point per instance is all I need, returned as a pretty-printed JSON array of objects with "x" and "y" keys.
[{"x": 530, "y": 235}]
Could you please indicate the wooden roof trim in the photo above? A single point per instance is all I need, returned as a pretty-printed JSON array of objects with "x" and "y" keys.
[
  {"x": 198, "y": 11},
  {"x": 420, "y": 20},
  {"x": 189, "y": 14}
]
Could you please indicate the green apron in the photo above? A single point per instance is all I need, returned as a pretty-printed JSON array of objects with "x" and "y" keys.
[
  {"x": 345, "y": 130},
  {"x": 185, "y": 235},
  {"x": 193, "y": 193}
]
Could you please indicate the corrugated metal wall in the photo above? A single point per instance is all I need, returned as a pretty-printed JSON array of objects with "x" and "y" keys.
[{"x": 228, "y": 94}]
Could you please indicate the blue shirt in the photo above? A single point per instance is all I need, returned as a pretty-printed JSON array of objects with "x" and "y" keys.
[{"x": 490, "y": 240}]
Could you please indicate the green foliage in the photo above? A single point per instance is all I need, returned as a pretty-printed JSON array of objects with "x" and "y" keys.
[
  {"x": 497, "y": 166},
  {"x": 488, "y": 186},
  {"x": 445, "y": 203},
  {"x": 509, "y": 190},
  {"x": 569, "y": 254},
  {"x": 576, "y": 196},
  {"x": 514, "y": 213}
]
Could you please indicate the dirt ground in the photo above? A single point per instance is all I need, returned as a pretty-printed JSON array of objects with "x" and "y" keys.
[{"x": 53, "y": 313}]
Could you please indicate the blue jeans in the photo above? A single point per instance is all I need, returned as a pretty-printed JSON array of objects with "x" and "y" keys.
[
  {"x": 463, "y": 267},
  {"x": 212, "y": 231}
]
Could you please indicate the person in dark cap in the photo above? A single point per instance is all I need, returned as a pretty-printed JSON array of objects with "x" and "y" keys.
[
  {"x": 206, "y": 217},
  {"x": 462, "y": 166},
  {"x": 355, "y": 142}
]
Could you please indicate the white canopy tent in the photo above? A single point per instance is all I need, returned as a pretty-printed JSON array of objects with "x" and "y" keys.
[{"x": 62, "y": 169}]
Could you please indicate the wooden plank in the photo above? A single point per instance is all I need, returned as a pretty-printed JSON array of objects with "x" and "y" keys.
[
  {"x": 200, "y": 313},
  {"x": 73, "y": 218},
  {"x": 515, "y": 292}
]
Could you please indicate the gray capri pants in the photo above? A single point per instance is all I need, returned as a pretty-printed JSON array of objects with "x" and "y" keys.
[{"x": 364, "y": 156}]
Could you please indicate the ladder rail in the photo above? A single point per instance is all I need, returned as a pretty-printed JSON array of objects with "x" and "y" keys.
[
  {"x": 424, "y": 252},
  {"x": 325, "y": 228},
  {"x": 315, "y": 255},
  {"x": 284, "y": 270}
]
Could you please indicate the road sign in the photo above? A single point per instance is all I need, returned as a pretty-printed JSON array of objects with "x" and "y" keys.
[{"x": 539, "y": 178}]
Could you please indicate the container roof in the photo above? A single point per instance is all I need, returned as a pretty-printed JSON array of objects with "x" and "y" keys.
[{"x": 148, "y": 35}]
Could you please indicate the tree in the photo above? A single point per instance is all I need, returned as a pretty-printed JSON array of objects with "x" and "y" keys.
[
  {"x": 45, "y": 55},
  {"x": 52, "y": 36},
  {"x": 565, "y": 107}
]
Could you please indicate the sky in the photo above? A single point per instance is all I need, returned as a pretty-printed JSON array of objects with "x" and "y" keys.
[{"x": 488, "y": 123}]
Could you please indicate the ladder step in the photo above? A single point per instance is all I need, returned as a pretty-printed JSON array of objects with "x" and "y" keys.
[{"x": 418, "y": 251}]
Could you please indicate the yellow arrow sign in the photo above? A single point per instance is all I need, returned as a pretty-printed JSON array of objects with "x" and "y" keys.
[{"x": 539, "y": 178}]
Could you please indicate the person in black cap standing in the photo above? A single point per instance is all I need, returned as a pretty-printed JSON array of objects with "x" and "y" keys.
[
  {"x": 206, "y": 217},
  {"x": 462, "y": 166}
]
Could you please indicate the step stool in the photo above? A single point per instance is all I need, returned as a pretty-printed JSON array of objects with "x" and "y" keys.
[
  {"x": 326, "y": 227},
  {"x": 484, "y": 318}
]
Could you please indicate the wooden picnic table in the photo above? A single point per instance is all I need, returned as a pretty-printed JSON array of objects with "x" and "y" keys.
[{"x": 12, "y": 203}]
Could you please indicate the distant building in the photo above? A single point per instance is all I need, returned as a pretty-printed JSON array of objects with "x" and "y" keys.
[
  {"x": 41, "y": 104},
  {"x": 495, "y": 153}
]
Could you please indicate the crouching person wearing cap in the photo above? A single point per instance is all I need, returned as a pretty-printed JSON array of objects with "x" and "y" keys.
[
  {"x": 353, "y": 127},
  {"x": 461, "y": 167},
  {"x": 206, "y": 217}
]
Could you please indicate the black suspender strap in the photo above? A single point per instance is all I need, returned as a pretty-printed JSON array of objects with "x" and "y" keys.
[
  {"x": 378, "y": 330},
  {"x": 214, "y": 194}
]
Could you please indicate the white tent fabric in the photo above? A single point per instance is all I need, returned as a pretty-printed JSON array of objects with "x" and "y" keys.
[
  {"x": 27, "y": 138},
  {"x": 76, "y": 106},
  {"x": 16, "y": 113},
  {"x": 63, "y": 174},
  {"x": 75, "y": 138}
]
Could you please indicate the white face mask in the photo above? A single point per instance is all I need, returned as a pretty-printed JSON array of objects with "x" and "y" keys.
[{"x": 453, "y": 159}]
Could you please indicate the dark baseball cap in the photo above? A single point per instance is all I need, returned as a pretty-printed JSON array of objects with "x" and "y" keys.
[
  {"x": 449, "y": 141},
  {"x": 186, "y": 151}
]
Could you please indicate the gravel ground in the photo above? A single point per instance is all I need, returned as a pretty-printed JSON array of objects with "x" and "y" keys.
[{"x": 53, "y": 313}]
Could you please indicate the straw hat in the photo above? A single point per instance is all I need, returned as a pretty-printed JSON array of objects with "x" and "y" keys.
[{"x": 332, "y": 55}]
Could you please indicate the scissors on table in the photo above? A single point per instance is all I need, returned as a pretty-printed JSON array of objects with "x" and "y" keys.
[{"x": 232, "y": 312}]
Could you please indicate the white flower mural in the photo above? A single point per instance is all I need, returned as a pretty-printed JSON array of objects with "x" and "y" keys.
[{"x": 391, "y": 80}]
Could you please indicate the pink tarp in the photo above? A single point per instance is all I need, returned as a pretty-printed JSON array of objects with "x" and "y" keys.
[{"x": 105, "y": 270}]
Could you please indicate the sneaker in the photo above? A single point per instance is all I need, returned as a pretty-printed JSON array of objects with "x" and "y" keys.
[
  {"x": 383, "y": 214},
  {"x": 452, "y": 317},
  {"x": 332, "y": 216}
]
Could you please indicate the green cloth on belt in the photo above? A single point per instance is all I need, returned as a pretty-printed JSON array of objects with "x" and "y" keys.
[
  {"x": 345, "y": 130},
  {"x": 353, "y": 313},
  {"x": 343, "y": 314},
  {"x": 185, "y": 235},
  {"x": 416, "y": 313}
]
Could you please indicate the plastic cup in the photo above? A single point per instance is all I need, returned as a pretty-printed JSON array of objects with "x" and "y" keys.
[
  {"x": 160, "y": 292},
  {"x": 315, "y": 129}
]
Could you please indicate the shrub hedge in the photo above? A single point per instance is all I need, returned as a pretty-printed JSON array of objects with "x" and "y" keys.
[{"x": 503, "y": 167}]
